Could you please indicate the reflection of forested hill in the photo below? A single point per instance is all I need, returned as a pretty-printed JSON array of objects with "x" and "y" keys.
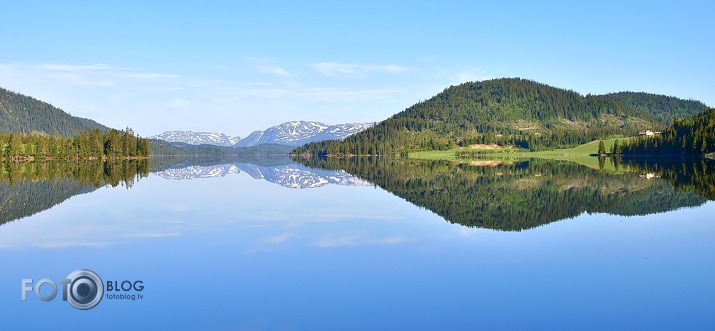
[
  {"x": 25, "y": 198},
  {"x": 32, "y": 187},
  {"x": 514, "y": 196},
  {"x": 696, "y": 175}
]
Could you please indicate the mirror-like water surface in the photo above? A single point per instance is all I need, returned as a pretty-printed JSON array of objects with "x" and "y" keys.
[{"x": 363, "y": 244}]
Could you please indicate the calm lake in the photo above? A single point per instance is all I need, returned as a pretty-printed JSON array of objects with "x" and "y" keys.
[{"x": 362, "y": 244}]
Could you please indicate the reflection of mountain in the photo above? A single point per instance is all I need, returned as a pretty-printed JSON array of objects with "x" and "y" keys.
[
  {"x": 516, "y": 196},
  {"x": 197, "y": 171},
  {"x": 29, "y": 188},
  {"x": 298, "y": 176},
  {"x": 291, "y": 175}
]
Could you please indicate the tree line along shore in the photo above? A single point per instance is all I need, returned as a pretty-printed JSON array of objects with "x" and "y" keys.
[{"x": 88, "y": 145}]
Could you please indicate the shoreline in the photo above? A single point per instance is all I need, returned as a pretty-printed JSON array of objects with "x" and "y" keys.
[{"x": 73, "y": 158}]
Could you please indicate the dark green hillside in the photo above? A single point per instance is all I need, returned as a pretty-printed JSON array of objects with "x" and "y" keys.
[
  {"x": 23, "y": 114},
  {"x": 160, "y": 147},
  {"x": 663, "y": 109},
  {"x": 509, "y": 111},
  {"x": 32, "y": 129}
]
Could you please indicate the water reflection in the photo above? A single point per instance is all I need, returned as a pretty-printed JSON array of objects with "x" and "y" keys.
[
  {"x": 343, "y": 247},
  {"x": 31, "y": 187},
  {"x": 290, "y": 175},
  {"x": 519, "y": 195},
  {"x": 502, "y": 195}
]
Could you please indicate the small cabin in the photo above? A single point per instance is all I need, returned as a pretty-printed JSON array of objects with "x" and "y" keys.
[
  {"x": 649, "y": 133},
  {"x": 648, "y": 176}
]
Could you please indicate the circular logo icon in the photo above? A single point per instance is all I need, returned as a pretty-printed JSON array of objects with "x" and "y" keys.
[{"x": 85, "y": 289}]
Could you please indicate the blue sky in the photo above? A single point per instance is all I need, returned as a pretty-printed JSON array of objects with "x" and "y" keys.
[{"x": 239, "y": 66}]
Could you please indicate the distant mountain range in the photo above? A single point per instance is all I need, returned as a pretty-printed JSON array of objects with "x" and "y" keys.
[
  {"x": 293, "y": 133},
  {"x": 297, "y": 133},
  {"x": 197, "y": 138}
]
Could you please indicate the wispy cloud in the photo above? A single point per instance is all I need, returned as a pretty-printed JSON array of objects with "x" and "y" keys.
[
  {"x": 276, "y": 240},
  {"x": 274, "y": 70},
  {"x": 152, "y": 234},
  {"x": 310, "y": 93},
  {"x": 333, "y": 241},
  {"x": 75, "y": 68},
  {"x": 355, "y": 70},
  {"x": 268, "y": 66},
  {"x": 72, "y": 244},
  {"x": 85, "y": 75},
  {"x": 151, "y": 76},
  {"x": 328, "y": 92}
]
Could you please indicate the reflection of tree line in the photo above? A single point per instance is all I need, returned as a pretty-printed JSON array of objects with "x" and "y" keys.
[
  {"x": 697, "y": 175},
  {"x": 27, "y": 188},
  {"x": 95, "y": 172},
  {"x": 522, "y": 195}
]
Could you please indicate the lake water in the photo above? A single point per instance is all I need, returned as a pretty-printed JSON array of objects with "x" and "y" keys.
[{"x": 364, "y": 244}]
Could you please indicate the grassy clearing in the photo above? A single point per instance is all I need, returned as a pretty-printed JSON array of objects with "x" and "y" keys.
[
  {"x": 450, "y": 154},
  {"x": 585, "y": 149},
  {"x": 579, "y": 154},
  {"x": 581, "y": 150},
  {"x": 434, "y": 155}
]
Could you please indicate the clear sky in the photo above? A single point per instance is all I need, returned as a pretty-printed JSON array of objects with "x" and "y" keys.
[{"x": 239, "y": 66}]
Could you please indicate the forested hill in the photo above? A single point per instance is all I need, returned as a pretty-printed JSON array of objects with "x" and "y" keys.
[
  {"x": 511, "y": 111},
  {"x": 663, "y": 109},
  {"x": 23, "y": 114}
]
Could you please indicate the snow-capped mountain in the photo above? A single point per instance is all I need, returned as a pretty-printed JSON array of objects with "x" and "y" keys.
[
  {"x": 294, "y": 133},
  {"x": 198, "y": 138},
  {"x": 297, "y": 133},
  {"x": 252, "y": 139},
  {"x": 341, "y": 131},
  {"x": 288, "y": 175}
]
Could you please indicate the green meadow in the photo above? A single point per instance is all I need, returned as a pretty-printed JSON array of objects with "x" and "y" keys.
[{"x": 580, "y": 154}]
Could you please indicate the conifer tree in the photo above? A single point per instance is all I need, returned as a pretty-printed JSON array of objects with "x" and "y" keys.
[{"x": 616, "y": 148}]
